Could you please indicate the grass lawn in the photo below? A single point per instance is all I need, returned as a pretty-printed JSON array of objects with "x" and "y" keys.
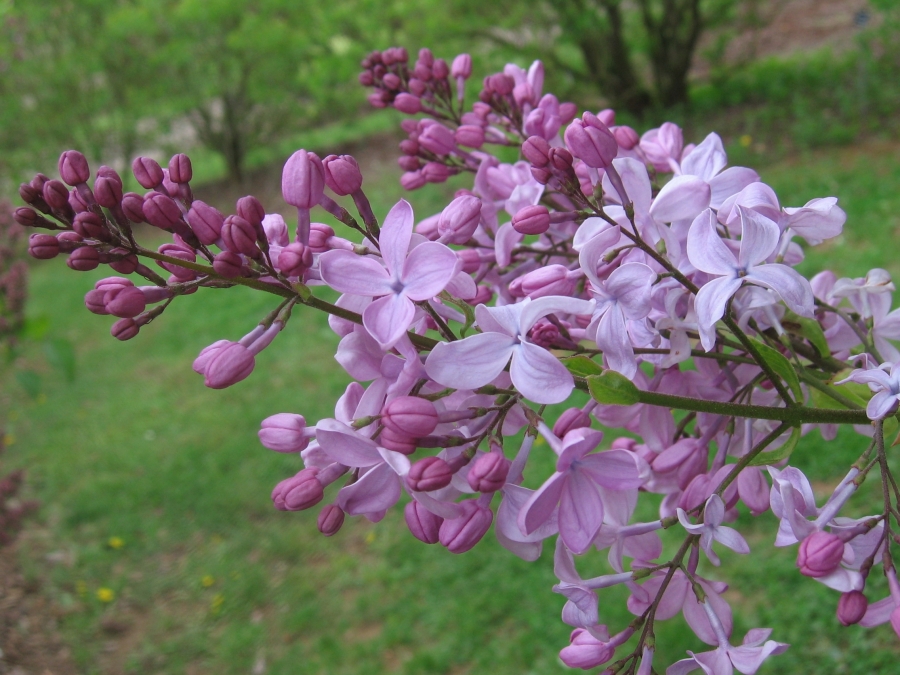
[{"x": 158, "y": 540}]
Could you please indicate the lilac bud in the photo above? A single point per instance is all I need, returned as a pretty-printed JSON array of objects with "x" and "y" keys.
[
  {"x": 391, "y": 81},
  {"x": 852, "y": 607},
  {"x": 482, "y": 296},
  {"x": 330, "y": 520},
  {"x": 462, "y": 66},
  {"x": 502, "y": 84},
  {"x": 342, "y": 174},
  {"x": 377, "y": 99},
  {"x": 471, "y": 260},
  {"x": 366, "y": 79},
  {"x": 304, "y": 498},
  {"x": 430, "y": 473},
  {"x": 820, "y": 554},
  {"x": 77, "y": 202},
  {"x": 295, "y": 259},
  {"x": 422, "y": 523},
  {"x": 537, "y": 151},
  {"x": 127, "y": 264},
  {"x": 409, "y": 147},
  {"x": 43, "y": 246},
  {"x": 30, "y": 194},
  {"x": 228, "y": 264},
  {"x": 410, "y": 416},
  {"x": 592, "y": 142},
  {"x": 125, "y": 329},
  {"x": 438, "y": 139},
  {"x": 532, "y": 220},
  {"x": 607, "y": 116},
  {"x": 469, "y": 135},
  {"x": 181, "y": 253},
  {"x": 180, "y": 170},
  {"x": 83, "y": 259},
  {"x": 229, "y": 365},
  {"x": 26, "y": 217},
  {"x": 303, "y": 180},
  {"x": 125, "y": 302},
  {"x": 560, "y": 159},
  {"x": 108, "y": 192},
  {"x": 626, "y": 137},
  {"x": 408, "y": 163},
  {"x": 573, "y": 418},
  {"x": 69, "y": 241},
  {"x": 542, "y": 176},
  {"x": 73, "y": 168},
  {"x": 133, "y": 207},
  {"x": 459, "y": 220},
  {"x": 488, "y": 473},
  {"x": 161, "y": 211},
  {"x": 463, "y": 532},
  {"x": 549, "y": 280},
  {"x": 586, "y": 651},
  {"x": 284, "y": 432},
  {"x": 250, "y": 209},
  {"x": 416, "y": 86},
  {"x": 147, "y": 172},
  {"x": 397, "y": 442},
  {"x": 440, "y": 69},
  {"x": 275, "y": 229},
  {"x": 206, "y": 222},
  {"x": 412, "y": 180},
  {"x": 319, "y": 234},
  {"x": 89, "y": 225},
  {"x": 408, "y": 104},
  {"x": 240, "y": 236},
  {"x": 94, "y": 301},
  {"x": 56, "y": 194},
  {"x": 426, "y": 57},
  {"x": 434, "y": 172}
]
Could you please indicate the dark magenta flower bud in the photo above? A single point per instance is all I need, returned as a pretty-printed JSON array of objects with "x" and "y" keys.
[
  {"x": 422, "y": 523},
  {"x": 180, "y": 170},
  {"x": 626, "y": 137},
  {"x": 591, "y": 141},
  {"x": 573, "y": 418},
  {"x": 607, "y": 116},
  {"x": 408, "y": 163},
  {"x": 69, "y": 241},
  {"x": 426, "y": 56},
  {"x": 342, "y": 174},
  {"x": 125, "y": 329},
  {"x": 330, "y": 520},
  {"x": 77, "y": 202},
  {"x": 73, "y": 168},
  {"x": 319, "y": 234},
  {"x": 820, "y": 554},
  {"x": 409, "y": 147},
  {"x": 438, "y": 139},
  {"x": 397, "y": 442},
  {"x": 462, "y": 533},
  {"x": 133, "y": 207},
  {"x": 410, "y": 415},
  {"x": 89, "y": 225},
  {"x": 83, "y": 259},
  {"x": 459, "y": 220},
  {"x": 43, "y": 246},
  {"x": 429, "y": 473},
  {"x": 56, "y": 194},
  {"x": 30, "y": 194},
  {"x": 549, "y": 280},
  {"x": 240, "y": 236},
  {"x": 175, "y": 251},
  {"x": 127, "y": 264},
  {"x": 228, "y": 264},
  {"x": 560, "y": 159},
  {"x": 416, "y": 86},
  {"x": 852, "y": 607},
  {"x": 501, "y": 84},
  {"x": 147, "y": 172},
  {"x": 26, "y": 217},
  {"x": 304, "y": 498},
  {"x": 230, "y": 364},
  {"x": 94, "y": 300},
  {"x": 285, "y": 432},
  {"x": 488, "y": 473},
  {"x": 126, "y": 302},
  {"x": 462, "y": 66},
  {"x": 542, "y": 176},
  {"x": 161, "y": 211},
  {"x": 537, "y": 151},
  {"x": 366, "y": 79},
  {"x": 391, "y": 81},
  {"x": 251, "y": 209},
  {"x": 303, "y": 180},
  {"x": 471, "y": 260},
  {"x": 470, "y": 135},
  {"x": 206, "y": 221},
  {"x": 294, "y": 259},
  {"x": 532, "y": 220},
  {"x": 435, "y": 172},
  {"x": 439, "y": 69},
  {"x": 408, "y": 104},
  {"x": 412, "y": 180},
  {"x": 108, "y": 192}
]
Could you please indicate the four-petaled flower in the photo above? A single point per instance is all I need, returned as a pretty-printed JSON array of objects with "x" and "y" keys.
[{"x": 712, "y": 528}]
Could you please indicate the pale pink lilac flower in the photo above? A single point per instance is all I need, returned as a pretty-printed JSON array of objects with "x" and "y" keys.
[{"x": 712, "y": 529}]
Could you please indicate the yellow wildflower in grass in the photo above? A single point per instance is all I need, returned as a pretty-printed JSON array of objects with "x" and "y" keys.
[
  {"x": 9, "y": 439},
  {"x": 105, "y": 594},
  {"x": 370, "y": 537},
  {"x": 115, "y": 543},
  {"x": 207, "y": 581},
  {"x": 745, "y": 140},
  {"x": 216, "y": 605}
]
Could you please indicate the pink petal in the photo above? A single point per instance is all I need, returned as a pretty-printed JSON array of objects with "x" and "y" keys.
[
  {"x": 470, "y": 363},
  {"x": 793, "y": 288},
  {"x": 376, "y": 490},
  {"x": 532, "y": 310},
  {"x": 539, "y": 375},
  {"x": 541, "y": 505},
  {"x": 707, "y": 159},
  {"x": 428, "y": 270},
  {"x": 347, "y": 272},
  {"x": 630, "y": 284},
  {"x": 747, "y": 660},
  {"x": 387, "y": 319},
  {"x": 505, "y": 241},
  {"x": 732, "y": 539},
  {"x": 580, "y": 512},
  {"x": 759, "y": 237},
  {"x": 636, "y": 181},
  {"x": 395, "y": 235},
  {"x": 345, "y": 445},
  {"x": 613, "y": 340},
  {"x": 878, "y": 613},
  {"x": 729, "y": 183},
  {"x": 710, "y": 306},
  {"x": 706, "y": 250},
  {"x": 614, "y": 469},
  {"x": 681, "y": 198}
]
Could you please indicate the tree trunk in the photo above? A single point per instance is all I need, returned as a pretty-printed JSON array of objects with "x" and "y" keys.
[{"x": 673, "y": 31}]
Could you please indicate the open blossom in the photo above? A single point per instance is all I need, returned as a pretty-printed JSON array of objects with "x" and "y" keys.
[
  {"x": 885, "y": 384},
  {"x": 405, "y": 278},
  {"x": 712, "y": 529}
]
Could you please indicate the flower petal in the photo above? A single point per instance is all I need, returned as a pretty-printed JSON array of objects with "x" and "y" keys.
[
  {"x": 470, "y": 363},
  {"x": 730, "y": 182},
  {"x": 580, "y": 512},
  {"x": 682, "y": 198},
  {"x": 759, "y": 237},
  {"x": 541, "y": 505},
  {"x": 376, "y": 490},
  {"x": 793, "y": 288},
  {"x": 710, "y": 306},
  {"x": 539, "y": 375},
  {"x": 707, "y": 159},
  {"x": 396, "y": 232},
  {"x": 705, "y": 248},
  {"x": 387, "y": 319},
  {"x": 347, "y": 272},
  {"x": 428, "y": 270}
]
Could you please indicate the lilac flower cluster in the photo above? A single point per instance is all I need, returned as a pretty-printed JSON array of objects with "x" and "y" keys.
[{"x": 635, "y": 268}]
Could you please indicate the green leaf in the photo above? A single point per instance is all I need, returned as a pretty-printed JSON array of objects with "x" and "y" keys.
[
  {"x": 582, "y": 366},
  {"x": 30, "y": 381},
  {"x": 463, "y": 307},
  {"x": 612, "y": 388},
  {"x": 61, "y": 356},
  {"x": 779, "y": 454},
  {"x": 782, "y": 367},
  {"x": 812, "y": 331},
  {"x": 820, "y": 399}
]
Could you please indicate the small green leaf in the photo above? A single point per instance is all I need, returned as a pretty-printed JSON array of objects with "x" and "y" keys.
[
  {"x": 612, "y": 388},
  {"x": 812, "y": 331},
  {"x": 782, "y": 367},
  {"x": 582, "y": 366},
  {"x": 463, "y": 307},
  {"x": 30, "y": 381},
  {"x": 779, "y": 454},
  {"x": 820, "y": 399},
  {"x": 61, "y": 356}
]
